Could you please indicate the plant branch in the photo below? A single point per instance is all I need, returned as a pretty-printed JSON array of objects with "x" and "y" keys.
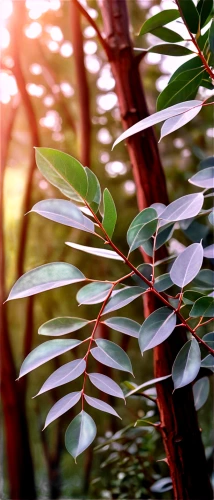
[{"x": 92, "y": 23}]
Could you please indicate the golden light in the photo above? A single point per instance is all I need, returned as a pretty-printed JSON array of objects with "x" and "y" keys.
[{"x": 33, "y": 30}]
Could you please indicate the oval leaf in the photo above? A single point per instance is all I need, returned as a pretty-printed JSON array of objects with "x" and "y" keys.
[
  {"x": 209, "y": 252},
  {"x": 63, "y": 171},
  {"x": 163, "y": 282},
  {"x": 156, "y": 328},
  {"x": 106, "y": 384},
  {"x": 185, "y": 207},
  {"x": 209, "y": 339},
  {"x": 160, "y": 19},
  {"x": 112, "y": 355},
  {"x": 94, "y": 293},
  {"x": 123, "y": 297},
  {"x": 46, "y": 351},
  {"x": 110, "y": 213},
  {"x": 179, "y": 121},
  {"x": 100, "y": 405},
  {"x": 204, "y": 306},
  {"x": 145, "y": 384},
  {"x": 208, "y": 362},
  {"x": 204, "y": 178},
  {"x": 169, "y": 49},
  {"x": 167, "y": 35},
  {"x": 187, "y": 265},
  {"x": 62, "y": 326},
  {"x": 181, "y": 88},
  {"x": 80, "y": 434},
  {"x": 187, "y": 364},
  {"x": 189, "y": 14},
  {"x": 142, "y": 228},
  {"x": 45, "y": 278},
  {"x": 93, "y": 195},
  {"x": 204, "y": 280},
  {"x": 64, "y": 212},
  {"x": 63, "y": 405},
  {"x": 123, "y": 325},
  {"x": 201, "y": 392},
  {"x": 66, "y": 373},
  {"x": 99, "y": 252}
]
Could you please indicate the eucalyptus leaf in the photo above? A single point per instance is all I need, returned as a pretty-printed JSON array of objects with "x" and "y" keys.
[
  {"x": 142, "y": 228},
  {"x": 111, "y": 354},
  {"x": 62, "y": 326},
  {"x": 100, "y": 405},
  {"x": 211, "y": 218},
  {"x": 211, "y": 37},
  {"x": 46, "y": 351},
  {"x": 44, "y": 278},
  {"x": 189, "y": 14},
  {"x": 204, "y": 178},
  {"x": 123, "y": 325},
  {"x": 94, "y": 293},
  {"x": 209, "y": 339},
  {"x": 204, "y": 306},
  {"x": 163, "y": 282},
  {"x": 185, "y": 207},
  {"x": 64, "y": 212},
  {"x": 187, "y": 364},
  {"x": 193, "y": 63},
  {"x": 106, "y": 384},
  {"x": 201, "y": 392},
  {"x": 187, "y": 265},
  {"x": 93, "y": 195},
  {"x": 156, "y": 328},
  {"x": 208, "y": 162},
  {"x": 123, "y": 297},
  {"x": 146, "y": 384},
  {"x": 63, "y": 405},
  {"x": 204, "y": 8},
  {"x": 179, "y": 121},
  {"x": 208, "y": 362},
  {"x": 190, "y": 296},
  {"x": 158, "y": 20},
  {"x": 181, "y": 88},
  {"x": 110, "y": 213},
  {"x": 99, "y": 252},
  {"x": 80, "y": 434},
  {"x": 209, "y": 252},
  {"x": 167, "y": 35},
  {"x": 204, "y": 280},
  {"x": 162, "y": 485},
  {"x": 66, "y": 373},
  {"x": 169, "y": 49}
]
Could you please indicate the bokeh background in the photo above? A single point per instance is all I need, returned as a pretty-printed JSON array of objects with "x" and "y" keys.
[{"x": 57, "y": 90}]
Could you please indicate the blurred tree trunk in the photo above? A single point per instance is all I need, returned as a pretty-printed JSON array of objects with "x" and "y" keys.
[{"x": 180, "y": 432}]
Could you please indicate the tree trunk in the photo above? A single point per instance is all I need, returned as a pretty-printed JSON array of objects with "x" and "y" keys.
[{"x": 181, "y": 435}]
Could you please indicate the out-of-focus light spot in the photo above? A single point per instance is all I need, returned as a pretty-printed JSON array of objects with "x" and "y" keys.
[
  {"x": 106, "y": 81},
  {"x": 93, "y": 13},
  {"x": 66, "y": 49},
  {"x": 161, "y": 83},
  {"x": 4, "y": 38},
  {"x": 178, "y": 143},
  {"x": 56, "y": 89},
  {"x": 6, "y": 8},
  {"x": 104, "y": 157},
  {"x": 66, "y": 89},
  {"x": 33, "y": 30},
  {"x": 92, "y": 64},
  {"x": 51, "y": 120},
  {"x": 104, "y": 136},
  {"x": 154, "y": 10},
  {"x": 37, "y": 8},
  {"x": 144, "y": 4},
  {"x": 8, "y": 87},
  {"x": 53, "y": 46},
  {"x": 89, "y": 32},
  {"x": 114, "y": 168},
  {"x": 101, "y": 120},
  {"x": 90, "y": 47},
  {"x": 55, "y": 4},
  {"x": 153, "y": 58},
  {"x": 210, "y": 132},
  {"x": 35, "y": 90},
  {"x": 186, "y": 153},
  {"x": 43, "y": 184},
  {"x": 108, "y": 101},
  {"x": 35, "y": 69},
  {"x": 56, "y": 136},
  {"x": 48, "y": 100},
  {"x": 55, "y": 33},
  {"x": 8, "y": 62},
  {"x": 129, "y": 187}
]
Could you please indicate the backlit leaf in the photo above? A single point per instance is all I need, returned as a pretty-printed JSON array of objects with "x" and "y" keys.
[
  {"x": 187, "y": 265},
  {"x": 123, "y": 325},
  {"x": 187, "y": 364},
  {"x": 80, "y": 434},
  {"x": 94, "y": 293},
  {"x": 99, "y": 252},
  {"x": 209, "y": 252},
  {"x": 66, "y": 373},
  {"x": 63, "y": 405},
  {"x": 204, "y": 306},
  {"x": 100, "y": 405},
  {"x": 123, "y": 297},
  {"x": 204, "y": 178},
  {"x": 45, "y": 278},
  {"x": 62, "y": 326},
  {"x": 177, "y": 122},
  {"x": 185, "y": 207},
  {"x": 110, "y": 213},
  {"x": 111, "y": 354},
  {"x": 201, "y": 392},
  {"x": 64, "y": 212},
  {"x": 146, "y": 384},
  {"x": 160, "y": 19},
  {"x": 156, "y": 328},
  {"x": 106, "y": 384}
]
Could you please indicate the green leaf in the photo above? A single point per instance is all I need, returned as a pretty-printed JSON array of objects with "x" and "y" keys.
[
  {"x": 164, "y": 234},
  {"x": 190, "y": 296},
  {"x": 167, "y": 35},
  {"x": 187, "y": 265},
  {"x": 160, "y": 19},
  {"x": 46, "y": 351},
  {"x": 204, "y": 306},
  {"x": 142, "y": 228},
  {"x": 63, "y": 405},
  {"x": 181, "y": 88},
  {"x": 201, "y": 392},
  {"x": 94, "y": 293},
  {"x": 45, "y": 278},
  {"x": 80, "y": 434},
  {"x": 156, "y": 328},
  {"x": 146, "y": 384},
  {"x": 208, "y": 162},
  {"x": 63, "y": 171},
  {"x": 99, "y": 252},
  {"x": 120, "y": 298},
  {"x": 66, "y": 373},
  {"x": 110, "y": 213},
  {"x": 185, "y": 207},
  {"x": 204, "y": 280},
  {"x": 100, "y": 405},
  {"x": 112, "y": 355},
  {"x": 169, "y": 49},
  {"x": 204, "y": 178},
  {"x": 93, "y": 195},
  {"x": 190, "y": 15},
  {"x": 106, "y": 384},
  {"x": 211, "y": 218},
  {"x": 62, "y": 326},
  {"x": 64, "y": 212},
  {"x": 123, "y": 325},
  {"x": 204, "y": 8},
  {"x": 179, "y": 121},
  {"x": 163, "y": 282},
  {"x": 208, "y": 362},
  {"x": 211, "y": 37},
  {"x": 193, "y": 63},
  {"x": 158, "y": 117},
  {"x": 187, "y": 364},
  {"x": 145, "y": 270},
  {"x": 209, "y": 339}
]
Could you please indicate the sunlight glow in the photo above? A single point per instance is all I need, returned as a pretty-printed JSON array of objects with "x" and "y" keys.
[
  {"x": 33, "y": 30},
  {"x": 35, "y": 69},
  {"x": 48, "y": 100},
  {"x": 66, "y": 49},
  {"x": 129, "y": 187},
  {"x": 51, "y": 120},
  {"x": 4, "y": 38},
  {"x": 92, "y": 64},
  {"x": 35, "y": 90},
  {"x": 66, "y": 89},
  {"x": 104, "y": 136},
  {"x": 115, "y": 168},
  {"x": 39, "y": 7},
  {"x": 6, "y": 8},
  {"x": 8, "y": 87},
  {"x": 55, "y": 33},
  {"x": 90, "y": 47},
  {"x": 107, "y": 101},
  {"x": 53, "y": 46}
]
